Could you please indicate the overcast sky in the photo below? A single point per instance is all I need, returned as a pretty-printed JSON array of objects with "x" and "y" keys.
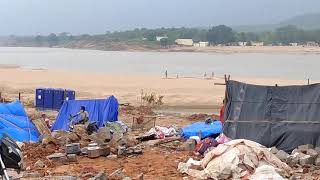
[{"x": 25, "y": 17}]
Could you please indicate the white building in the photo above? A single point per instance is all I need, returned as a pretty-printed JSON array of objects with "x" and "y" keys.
[
  {"x": 158, "y": 38},
  {"x": 184, "y": 42},
  {"x": 293, "y": 44},
  {"x": 242, "y": 43},
  {"x": 257, "y": 43},
  {"x": 201, "y": 44}
]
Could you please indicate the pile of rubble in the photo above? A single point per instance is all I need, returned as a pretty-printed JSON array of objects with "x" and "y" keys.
[{"x": 303, "y": 155}]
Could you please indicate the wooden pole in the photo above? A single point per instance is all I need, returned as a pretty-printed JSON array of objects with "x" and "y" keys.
[{"x": 19, "y": 96}]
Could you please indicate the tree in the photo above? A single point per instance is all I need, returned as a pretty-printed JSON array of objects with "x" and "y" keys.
[
  {"x": 52, "y": 40},
  {"x": 38, "y": 40},
  {"x": 241, "y": 37},
  {"x": 164, "y": 42},
  {"x": 290, "y": 34},
  {"x": 150, "y": 35},
  {"x": 220, "y": 35}
]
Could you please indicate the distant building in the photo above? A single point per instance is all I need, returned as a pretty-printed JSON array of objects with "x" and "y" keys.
[
  {"x": 257, "y": 43},
  {"x": 201, "y": 44},
  {"x": 184, "y": 42},
  {"x": 293, "y": 44},
  {"x": 311, "y": 44},
  {"x": 242, "y": 43},
  {"x": 158, "y": 38}
]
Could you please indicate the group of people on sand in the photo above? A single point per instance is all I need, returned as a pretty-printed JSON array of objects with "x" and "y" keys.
[{"x": 204, "y": 76}]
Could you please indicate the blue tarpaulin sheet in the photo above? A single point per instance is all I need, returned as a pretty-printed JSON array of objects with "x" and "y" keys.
[
  {"x": 206, "y": 130},
  {"x": 99, "y": 110},
  {"x": 14, "y": 108},
  {"x": 15, "y": 123}
]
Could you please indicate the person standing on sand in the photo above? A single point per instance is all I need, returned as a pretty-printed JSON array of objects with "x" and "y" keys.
[{"x": 166, "y": 74}]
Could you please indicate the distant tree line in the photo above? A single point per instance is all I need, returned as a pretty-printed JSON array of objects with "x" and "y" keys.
[{"x": 216, "y": 35}]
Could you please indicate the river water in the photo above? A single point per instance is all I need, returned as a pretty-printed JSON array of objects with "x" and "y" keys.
[{"x": 259, "y": 65}]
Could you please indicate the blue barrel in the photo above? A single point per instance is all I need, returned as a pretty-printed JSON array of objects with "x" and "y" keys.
[
  {"x": 70, "y": 95},
  {"x": 58, "y": 95},
  {"x": 39, "y": 99},
  {"x": 48, "y": 98}
]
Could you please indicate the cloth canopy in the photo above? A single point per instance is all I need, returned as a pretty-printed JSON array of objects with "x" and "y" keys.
[{"x": 99, "y": 110}]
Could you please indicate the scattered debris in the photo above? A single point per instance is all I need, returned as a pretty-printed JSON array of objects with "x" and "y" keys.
[
  {"x": 100, "y": 176},
  {"x": 118, "y": 174},
  {"x": 39, "y": 164}
]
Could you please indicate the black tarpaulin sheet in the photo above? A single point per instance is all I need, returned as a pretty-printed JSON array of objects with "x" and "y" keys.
[{"x": 285, "y": 117}]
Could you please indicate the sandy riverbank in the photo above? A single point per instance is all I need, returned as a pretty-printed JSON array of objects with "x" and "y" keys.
[{"x": 183, "y": 94}]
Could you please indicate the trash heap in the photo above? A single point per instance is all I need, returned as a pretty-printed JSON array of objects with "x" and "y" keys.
[
  {"x": 237, "y": 159},
  {"x": 111, "y": 141}
]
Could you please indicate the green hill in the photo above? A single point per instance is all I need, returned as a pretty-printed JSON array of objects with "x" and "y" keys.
[{"x": 307, "y": 22}]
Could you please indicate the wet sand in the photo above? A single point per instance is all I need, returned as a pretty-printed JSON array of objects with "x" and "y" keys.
[{"x": 182, "y": 94}]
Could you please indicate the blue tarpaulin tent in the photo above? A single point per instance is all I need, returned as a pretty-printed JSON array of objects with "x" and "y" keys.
[
  {"x": 206, "y": 130},
  {"x": 15, "y": 123},
  {"x": 100, "y": 110}
]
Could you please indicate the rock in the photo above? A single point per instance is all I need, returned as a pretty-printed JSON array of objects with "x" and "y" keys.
[
  {"x": 60, "y": 178},
  {"x": 151, "y": 143},
  {"x": 137, "y": 150},
  {"x": 189, "y": 145},
  {"x": 185, "y": 178},
  {"x": 39, "y": 164},
  {"x": 305, "y": 147},
  {"x": 295, "y": 151},
  {"x": 84, "y": 151},
  {"x": 121, "y": 150},
  {"x": 104, "y": 149},
  {"x": 100, "y": 176},
  {"x": 93, "y": 152},
  {"x": 112, "y": 157},
  {"x": 118, "y": 174},
  {"x": 73, "y": 137},
  {"x": 305, "y": 160},
  {"x": 115, "y": 141},
  {"x": 282, "y": 155},
  {"x": 126, "y": 178},
  {"x": 313, "y": 153},
  {"x": 130, "y": 141},
  {"x": 293, "y": 159},
  {"x": 317, "y": 149},
  {"x": 88, "y": 175},
  {"x": 31, "y": 175},
  {"x": 73, "y": 148},
  {"x": 103, "y": 135},
  {"x": 60, "y": 157},
  {"x": 72, "y": 158},
  {"x": 274, "y": 150},
  {"x": 317, "y": 161}
]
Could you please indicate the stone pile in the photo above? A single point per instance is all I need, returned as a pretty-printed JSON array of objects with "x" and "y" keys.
[{"x": 303, "y": 155}]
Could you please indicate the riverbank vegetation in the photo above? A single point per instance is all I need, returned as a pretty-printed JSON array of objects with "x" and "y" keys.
[{"x": 149, "y": 38}]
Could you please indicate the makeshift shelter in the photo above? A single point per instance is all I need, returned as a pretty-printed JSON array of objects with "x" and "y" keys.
[
  {"x": 100, "y": 111},
  {"x": 285, "y": 117},
  {"x": 15, "y": 123}
]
